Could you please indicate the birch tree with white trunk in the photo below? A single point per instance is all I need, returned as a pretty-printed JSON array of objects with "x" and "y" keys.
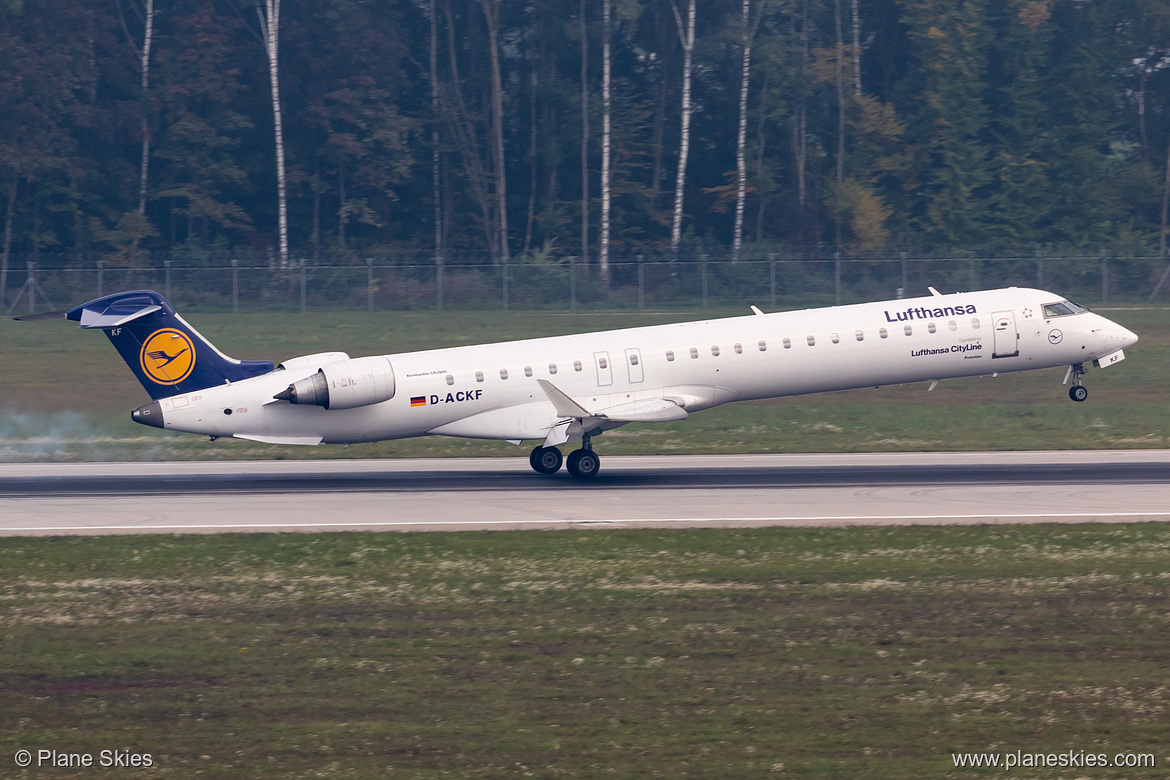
[
  {"x": 147, "y": 36},
  {"x": 749, "y": 32},
  {"x": 436, "y": 186},
  {"x": 491, "y": 13},
  {"x": 686, "y": 34},
  {"x": 269, "y": 15},
  {"x": 606, "y": 57},
  {"x": 584, "y": 135},
  {"x": 856, "y": 50}
]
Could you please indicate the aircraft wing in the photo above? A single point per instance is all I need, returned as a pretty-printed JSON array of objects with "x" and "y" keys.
[{"x": 575, "y": 418}]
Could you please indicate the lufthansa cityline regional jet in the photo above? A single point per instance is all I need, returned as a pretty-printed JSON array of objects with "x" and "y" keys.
[{"x": 568, "y": 389}]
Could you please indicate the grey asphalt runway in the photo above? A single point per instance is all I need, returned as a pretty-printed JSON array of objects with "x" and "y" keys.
[{"x": 657, "y": 491}]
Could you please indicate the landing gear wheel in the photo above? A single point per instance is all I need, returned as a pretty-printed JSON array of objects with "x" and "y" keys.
[
  {"x": 1078, "y": 393},
  {"x": 546, "y": 460},
  {"x": 582, "y": 464}
]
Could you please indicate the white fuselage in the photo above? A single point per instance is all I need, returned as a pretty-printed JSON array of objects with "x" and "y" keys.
[{"x": 490, "y": 391}]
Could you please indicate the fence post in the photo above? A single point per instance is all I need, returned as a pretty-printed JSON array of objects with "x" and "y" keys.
[
  {"x": 504, "y": 282},
  {"x": 905, "y": 278},
  {"x": 439, "y": 281},
  {"x": 971, "y": 262},
  {"x": 101, "y": 279},
  {"x": 703, "y": 264},
  {"x": 32, "y": 288},
  {"x": 772, "y": 278},
  {"x": 370, "y": 285},
  {"x": 167, "y": 263},
  {"x": 572, "y": 283},
  {"x": 303, "y": 284},
  {"x": 1040, "y": 268},
  {"x": 837, "y": 271},
  {"x": 641, "y": 284},
  {"x": 1105, "y": 276},
  {"x": 235, "y": 286}
]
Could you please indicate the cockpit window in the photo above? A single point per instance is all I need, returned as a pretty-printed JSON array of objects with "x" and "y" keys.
[{"x": 1062, "y": 309}]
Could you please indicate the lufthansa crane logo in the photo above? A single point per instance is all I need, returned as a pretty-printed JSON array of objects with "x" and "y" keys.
[{"x": 167, "y": 356}]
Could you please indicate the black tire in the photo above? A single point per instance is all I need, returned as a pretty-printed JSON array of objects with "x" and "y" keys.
[
  {"x": 583, "y": 464},
  {"x": 1078, "y": 393},
  {"x": 546, "y": 460}
]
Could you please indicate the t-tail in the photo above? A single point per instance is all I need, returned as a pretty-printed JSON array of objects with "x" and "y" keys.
[{"x": 168, "y": 356}]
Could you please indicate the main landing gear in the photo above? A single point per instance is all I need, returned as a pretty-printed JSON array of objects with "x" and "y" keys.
[
  {"x": 582, "y": 463},
  {"x": 1078, "y": 392}
]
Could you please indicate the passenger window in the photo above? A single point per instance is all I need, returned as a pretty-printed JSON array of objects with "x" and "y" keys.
[
  {"x": 909, "y": 331},
  {"x": 787, "y": 343},
  {"x": 478, "y": 376},
  {"x": 975, "y": 323},
  {"x": 763, "y": 346},
  {"x": 739, "y": 349},
  {"x": 883, "y": 332},
  {"x": 670, "y": 356},
  {"x": 860, "y": 335},
  {"x": 576, "y": 365},
  {"x": 552, "y": 368},
  {"x": 450, "y": 379},
  {"x": 527, "y": 370},
  {"x": 503, "y": 373},
  {"x": 633, "y": 359},
  {"x": 694, "y": 354},
  {"x": 715, "y": 350},
  {"x": 812, "y": 341},
  {"x": 602, "y": 363},
  {"x": 953, "y": 325},
  {"x": 930, "y": 327},
  {"x": 836, "y": 339}
]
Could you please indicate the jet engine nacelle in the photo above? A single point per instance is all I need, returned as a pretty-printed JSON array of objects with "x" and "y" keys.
[{"x": 344, "y": 385}]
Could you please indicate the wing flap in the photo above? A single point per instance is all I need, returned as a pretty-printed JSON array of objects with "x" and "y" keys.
[
  {"x": 649, "y": 410},
  {"x": 308, "y": 441}
]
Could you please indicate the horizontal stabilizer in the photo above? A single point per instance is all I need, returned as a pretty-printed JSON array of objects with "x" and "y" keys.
[
  {"x": 114, "y": 316},
  {"x": 45, "y": 315},
  {"x": 650, "y": 410}
]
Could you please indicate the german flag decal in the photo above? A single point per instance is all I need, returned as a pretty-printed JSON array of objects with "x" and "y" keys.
[{"x": 418, "y": 400}]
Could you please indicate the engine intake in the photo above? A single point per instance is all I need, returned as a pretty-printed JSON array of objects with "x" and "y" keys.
[{"x": 345, "y": 384}]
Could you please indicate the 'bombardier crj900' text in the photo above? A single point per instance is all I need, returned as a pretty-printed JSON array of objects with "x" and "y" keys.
[{"x": 568, "y": 389}]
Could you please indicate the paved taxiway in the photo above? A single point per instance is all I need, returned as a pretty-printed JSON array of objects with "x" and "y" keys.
[{"x": 680, "y": 491}]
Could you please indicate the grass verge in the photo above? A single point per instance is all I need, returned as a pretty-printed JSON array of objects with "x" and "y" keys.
[{"x": 850, "y": 653}]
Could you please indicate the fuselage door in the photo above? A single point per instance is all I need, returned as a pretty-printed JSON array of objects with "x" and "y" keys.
[
  {"x": 634, "y": 363},
  {"x": 1007, "y": 339},
  {"x": 604, "y": 369}
]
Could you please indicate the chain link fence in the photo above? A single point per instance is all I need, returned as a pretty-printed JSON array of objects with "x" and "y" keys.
[{"x": 241, "y": 282}]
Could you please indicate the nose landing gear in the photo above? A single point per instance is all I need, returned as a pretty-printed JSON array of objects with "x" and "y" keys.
[{"x": 1078, "y": 392}]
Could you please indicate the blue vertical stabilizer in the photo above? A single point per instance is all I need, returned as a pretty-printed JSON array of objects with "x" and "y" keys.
[{"x": 168, "y": 356}]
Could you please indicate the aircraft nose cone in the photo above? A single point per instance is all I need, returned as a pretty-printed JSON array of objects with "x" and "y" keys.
[
  {"x": 1128, "y": 338},
  {"x": 150, "y": 414}
]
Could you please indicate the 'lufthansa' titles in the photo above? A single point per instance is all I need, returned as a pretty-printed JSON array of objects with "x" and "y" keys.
[{"x": 923, "y": 313}]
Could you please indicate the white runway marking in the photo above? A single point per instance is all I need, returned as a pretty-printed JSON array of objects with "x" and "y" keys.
[{"x": 633, "y": 521}]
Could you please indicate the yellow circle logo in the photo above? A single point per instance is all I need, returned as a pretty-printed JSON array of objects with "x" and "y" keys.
[{"x": 167, "y": 357}]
